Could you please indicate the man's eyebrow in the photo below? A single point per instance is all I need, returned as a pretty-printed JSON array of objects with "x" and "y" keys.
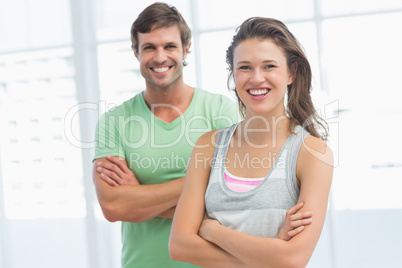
[
  {"x": 167, "y": 44},
  {"x": 147, "y": 44},
  {"x": 172, "y": 44}
]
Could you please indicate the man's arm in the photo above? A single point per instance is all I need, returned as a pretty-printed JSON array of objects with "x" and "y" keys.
[{"x": 134, "y": 202}]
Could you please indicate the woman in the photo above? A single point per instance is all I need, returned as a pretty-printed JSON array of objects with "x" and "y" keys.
[{"x": 247, "y": 176}]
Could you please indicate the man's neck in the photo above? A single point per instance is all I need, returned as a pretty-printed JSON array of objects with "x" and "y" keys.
[{"x": 168, "y": 104}]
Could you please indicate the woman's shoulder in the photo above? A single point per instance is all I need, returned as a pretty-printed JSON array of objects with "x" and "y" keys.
[
  {"x": 209, "y": 135},
  {"x": 213, "y": 135},
  {"x": 315, "y": 143},
  {"x": 206, "y": 142},
  {"x": 315, "y": 151}
]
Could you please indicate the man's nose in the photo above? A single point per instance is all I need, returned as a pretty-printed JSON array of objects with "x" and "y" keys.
[{"x": 160, "y": 55}]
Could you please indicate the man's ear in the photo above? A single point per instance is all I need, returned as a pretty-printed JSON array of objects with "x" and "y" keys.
[
  {"x": 187, "y": 49},
  {"x": 135, "y": 53}
]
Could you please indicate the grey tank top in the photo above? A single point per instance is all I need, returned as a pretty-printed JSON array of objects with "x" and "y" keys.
[{"x": 262, "y": 210}]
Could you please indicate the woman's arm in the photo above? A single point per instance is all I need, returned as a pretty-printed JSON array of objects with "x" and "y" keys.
[
  {"x": 314, "y": 172},
  {"x": 185, "y": 244}
]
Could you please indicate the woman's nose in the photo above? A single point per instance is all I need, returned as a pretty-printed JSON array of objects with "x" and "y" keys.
[{"x": 257, "y": 77}]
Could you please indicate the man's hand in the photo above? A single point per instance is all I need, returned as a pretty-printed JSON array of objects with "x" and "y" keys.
[
  {"x": 294, "y": 222},
  {"x": 116, "y": 172}
]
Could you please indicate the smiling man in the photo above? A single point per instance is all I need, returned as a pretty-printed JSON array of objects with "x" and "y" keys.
[{"x": 143, "y": 146}]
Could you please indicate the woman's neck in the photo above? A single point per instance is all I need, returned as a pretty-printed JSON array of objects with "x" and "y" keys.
[{"x": 264, "y": 129}]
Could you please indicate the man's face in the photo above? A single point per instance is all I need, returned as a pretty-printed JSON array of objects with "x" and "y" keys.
[{"x": 160, "y": 53}]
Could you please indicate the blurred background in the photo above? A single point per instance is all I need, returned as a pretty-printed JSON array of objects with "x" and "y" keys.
[{"x": 65, "y": 62}]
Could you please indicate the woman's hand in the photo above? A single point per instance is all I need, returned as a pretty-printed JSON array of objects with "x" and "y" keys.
[
  {"x": 116, "y": 172},
  {"x": 294, "y": 222},
  {"x": 206, "y": 228}
]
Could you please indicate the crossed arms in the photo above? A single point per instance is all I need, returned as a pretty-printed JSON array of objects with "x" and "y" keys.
[
  {"x": 122, "y": 198},
  {"x": 209, "y": 244}
]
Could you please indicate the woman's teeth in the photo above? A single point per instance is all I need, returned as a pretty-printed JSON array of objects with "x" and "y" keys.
[{"x": 257, "y": 92}]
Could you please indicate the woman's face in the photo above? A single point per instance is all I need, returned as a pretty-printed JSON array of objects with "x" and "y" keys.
[{"x": 261, "y": 76}]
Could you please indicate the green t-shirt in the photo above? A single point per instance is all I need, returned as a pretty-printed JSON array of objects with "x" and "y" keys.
[{"x": 157, "y": 152}]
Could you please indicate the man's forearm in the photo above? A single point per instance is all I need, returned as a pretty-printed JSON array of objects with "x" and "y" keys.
[
  {"x": 168, "y": 214},
  {"x": 136, "y": 203}
]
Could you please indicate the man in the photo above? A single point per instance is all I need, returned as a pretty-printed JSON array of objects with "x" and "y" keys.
[{"x": 143, "y": 145}]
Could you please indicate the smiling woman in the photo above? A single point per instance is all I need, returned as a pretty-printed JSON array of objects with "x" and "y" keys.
[{"x": 242, "y": 226}]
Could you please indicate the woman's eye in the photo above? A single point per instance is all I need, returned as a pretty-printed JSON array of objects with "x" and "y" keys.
[
  {"x": 270, "y": 66},
  {"x": 244, "y": 67}
]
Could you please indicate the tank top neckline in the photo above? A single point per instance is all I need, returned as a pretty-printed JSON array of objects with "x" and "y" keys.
[{"x": 266, "y": 178}]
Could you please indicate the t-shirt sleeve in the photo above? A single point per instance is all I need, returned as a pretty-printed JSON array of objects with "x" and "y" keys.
[
  {"x": 107, "y": 138},
  {"x": 227, "y": 115}
]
